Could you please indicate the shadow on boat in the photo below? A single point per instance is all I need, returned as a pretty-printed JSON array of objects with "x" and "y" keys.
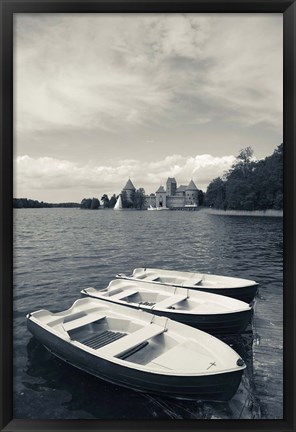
[{"x": 81, "y": 394}]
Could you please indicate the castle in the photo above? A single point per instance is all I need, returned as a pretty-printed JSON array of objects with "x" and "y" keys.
[{"x": 173, "y": 197}]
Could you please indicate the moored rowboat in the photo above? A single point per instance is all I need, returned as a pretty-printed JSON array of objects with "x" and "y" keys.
[
  {"x": 134, "y": 349},
  {"x": 241, "y": 289},
  {"x": 209, "y": 312}
]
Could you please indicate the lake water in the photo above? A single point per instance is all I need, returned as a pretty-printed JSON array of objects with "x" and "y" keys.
[{"x": 57, "y": 252}]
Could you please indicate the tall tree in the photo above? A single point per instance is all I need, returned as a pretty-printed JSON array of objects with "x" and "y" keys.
[
  {"x": 86, "y": 203},
  {"x": 112, "y": 201},
  {"x": 249, "y": 185},
  {"x": 106, "y": 201},
  {"x": 95, "y": 204},
  {"x": 238, "y": 191},
  {"x": 215, "y": 195},
  {"x": 139, "y": 199},
  {"x": 200, "y": 197},
  {"x": 126, "y": 203}
]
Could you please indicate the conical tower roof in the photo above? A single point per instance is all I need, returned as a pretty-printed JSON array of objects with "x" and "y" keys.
[
  {"x": 129, "y": 185},
  {"x": 191, "y": 186},
  {"x": 160, "y": 189}
]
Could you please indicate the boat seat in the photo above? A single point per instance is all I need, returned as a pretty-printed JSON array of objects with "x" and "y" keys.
[
  {"x": 170, "y": 301},
  {"x": 82, "y": 321},
  {"x": 151, "y": 277},
  {"x": 193, "y": 281},
  {"x": 124, "y": 344},
  {"x": 123, "y": 294}
]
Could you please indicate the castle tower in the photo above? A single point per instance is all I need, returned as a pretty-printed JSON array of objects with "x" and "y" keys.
[
  {"x": 160, "y": 197},
  {"x": 171, "y": 186},
  {"x": 191, "y": 194},
  {"x": 129, "y": 189}
]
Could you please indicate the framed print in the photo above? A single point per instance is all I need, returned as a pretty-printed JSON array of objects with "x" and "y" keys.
[{"x": 147, "y": 261}]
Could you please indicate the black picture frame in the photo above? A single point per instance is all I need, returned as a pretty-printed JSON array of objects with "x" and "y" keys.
[{"x": 8, "y": 8}]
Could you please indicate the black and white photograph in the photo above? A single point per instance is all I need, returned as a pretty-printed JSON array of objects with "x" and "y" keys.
[{"x": 148, "y": 216}]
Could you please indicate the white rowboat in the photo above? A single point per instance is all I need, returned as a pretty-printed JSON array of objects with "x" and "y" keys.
[
  {"x": 241, "y": 289},
  {"x": 134, "y": 349},
  {"x": 208, "y": 312}
]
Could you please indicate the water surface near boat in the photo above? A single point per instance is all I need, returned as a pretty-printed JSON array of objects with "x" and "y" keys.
[{"x": 58, "y": 252}]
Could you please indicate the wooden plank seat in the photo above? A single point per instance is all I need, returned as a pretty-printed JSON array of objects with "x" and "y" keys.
[
  {"x": 193, "y": 281},
  {"x": 170, "y": 301},
  {"x": 82, "y": 321},
  {"x": 124, "y": 294},
  {"x": 151, "y": 277},
  {"x": 117, "y": 348}
]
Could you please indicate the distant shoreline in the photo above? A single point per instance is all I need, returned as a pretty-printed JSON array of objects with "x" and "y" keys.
[
  {"x": 207, "y": 210},
  {"x": 30, "y": 203},
  {"x": 259, "y": 213}
]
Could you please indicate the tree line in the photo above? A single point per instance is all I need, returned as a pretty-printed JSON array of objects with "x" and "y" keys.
[
  {"x": 135, "y": 201},
  {"x": 249, "y": 184},
  {"x": 29, "y": 203}
]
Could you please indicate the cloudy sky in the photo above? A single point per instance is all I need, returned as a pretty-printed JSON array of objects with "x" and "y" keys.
[{"x": 101, "y": 98}]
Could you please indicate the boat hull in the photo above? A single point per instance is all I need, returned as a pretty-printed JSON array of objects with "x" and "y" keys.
[
  {"x": 229, "y": 323},
  {"x": 234, "y": 323},
  {"x": 246, "y": 294},
  {"x": 220, "y": 387}
]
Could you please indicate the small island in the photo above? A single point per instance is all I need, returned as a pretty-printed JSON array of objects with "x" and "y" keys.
[{"x": 249, "y": 185}]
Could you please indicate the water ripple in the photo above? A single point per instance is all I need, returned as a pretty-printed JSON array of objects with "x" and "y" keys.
[{"x": 57, "y": 252}]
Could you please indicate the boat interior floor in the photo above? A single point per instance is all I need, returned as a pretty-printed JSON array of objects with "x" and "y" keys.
[
  {"x": 97, "y": 341},
  {"x": 139, "y": 346}
]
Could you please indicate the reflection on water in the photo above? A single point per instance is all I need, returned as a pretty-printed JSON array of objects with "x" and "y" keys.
[
  {"x": 60, "y": 251},
  {"x": 75, "y": 389},
  {"x": 82, "y": 391}
]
